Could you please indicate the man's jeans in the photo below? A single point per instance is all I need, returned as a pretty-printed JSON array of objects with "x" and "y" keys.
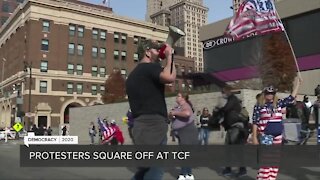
[
  {"x": 150, "y": 130},
  {"x": 149, "y": 173}
]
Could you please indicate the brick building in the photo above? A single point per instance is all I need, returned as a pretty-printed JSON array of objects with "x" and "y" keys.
[
  {"x": 67, "y": 49},
  {"x": 6, "y": 9}
]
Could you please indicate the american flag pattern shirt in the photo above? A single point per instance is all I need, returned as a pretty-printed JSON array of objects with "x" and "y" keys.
[{"x": 267, "y": 113}]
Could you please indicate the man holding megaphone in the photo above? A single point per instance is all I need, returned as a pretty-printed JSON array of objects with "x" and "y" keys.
[{"x": 145, "y": 88}]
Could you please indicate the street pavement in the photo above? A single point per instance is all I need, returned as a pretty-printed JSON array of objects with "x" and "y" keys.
[{"x": 10, "y": 169}]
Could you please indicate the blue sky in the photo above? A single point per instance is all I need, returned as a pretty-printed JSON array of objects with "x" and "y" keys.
[{"x": 218, "y": 9}]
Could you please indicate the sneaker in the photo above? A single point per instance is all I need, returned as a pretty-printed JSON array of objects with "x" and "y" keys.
[
  {"x": 181, "y": 177},
  {"x": 189, "y": 177},
  {"x": 226, "y": 172}
]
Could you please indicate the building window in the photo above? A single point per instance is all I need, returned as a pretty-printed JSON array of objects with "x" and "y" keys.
[
  {"x": 45, "y": 45},
  {"x": 70, "y": 88},
  {"x": 94, "y": 71},
  {"x": 135, "y": 40},
  {"x": 71, "y": 48},
  {"x": 136, "y": 57},
  {"x": 79, "y": 69},
  {"x": 70, "y": 69},
  {"x": 102, "y": 89},
  {"x": 5, "y": 7},
  {"x": 123, "y": 38},
  {"x": 80, "y": 31},
  {"x": 80, "y": 49},
  {"x": 43, "y": 86},
  {"x": 124, "y": 73},
  {"x": 79, "y": 88},
  {"x": 102, "y": 52},
  {"x": 44, "y": 66},
  {"x": 142, "y": 39},
  {"x": 116, "y": 37},
  {"x": 3, "y": 20},
  {"x": 72, "y": 30},
  {"x": 123, "y": 55},
  {"x": 103, "y": 35},
  {"x": 94, "y": 89},
  {"x": 94, "y": 52},
  {"x": 95, "y": 33},
  {"x": 45, "y": 26},
  {"x": 116, "y": 54},
  {"x": 102, "y": 72}
]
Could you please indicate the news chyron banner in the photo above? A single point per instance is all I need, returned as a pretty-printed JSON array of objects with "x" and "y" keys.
[
  {"x": 169, "y": 156},
  {"x": 46, "y": 140}
]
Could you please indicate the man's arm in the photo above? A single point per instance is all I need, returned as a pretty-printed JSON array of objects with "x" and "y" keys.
[{"x": 166, "y": 76}]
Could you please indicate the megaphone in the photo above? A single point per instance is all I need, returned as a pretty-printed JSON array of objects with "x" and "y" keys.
[{"x": 174, "y": 35}]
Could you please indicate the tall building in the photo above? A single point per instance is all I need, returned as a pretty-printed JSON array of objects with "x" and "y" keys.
[
  {"x": 67, "y": 58},
  {"x": 189, "y": 16},
  {"x": 6, "y": 9}
]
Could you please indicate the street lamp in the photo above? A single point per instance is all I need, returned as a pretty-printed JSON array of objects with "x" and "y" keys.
[{"x": 27, "y": 67}]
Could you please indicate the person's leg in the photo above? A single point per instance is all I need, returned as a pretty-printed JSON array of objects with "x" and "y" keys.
[
  {"x": 206, "y": 136},
  {"x": 201, "y": 136},
  {"x": 143, "y": 137},
  {"x": 91, "y": 137},
  {"x": 139, "y": 175},
  {"x": 271, "y": 172}
]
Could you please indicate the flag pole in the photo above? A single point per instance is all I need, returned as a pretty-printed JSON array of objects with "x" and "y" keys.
[{"x": 291, "y": 48}]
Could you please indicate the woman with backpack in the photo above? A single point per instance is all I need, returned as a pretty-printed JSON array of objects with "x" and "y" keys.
[{"x": 267, "y": 123}]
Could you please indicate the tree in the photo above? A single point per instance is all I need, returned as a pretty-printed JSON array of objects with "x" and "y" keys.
[
  {"x": 278, "y": 66},
  {"x": 114, "y": 88}
]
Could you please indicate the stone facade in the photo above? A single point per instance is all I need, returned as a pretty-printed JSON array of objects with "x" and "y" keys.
[{"x": 81, "y": 117}]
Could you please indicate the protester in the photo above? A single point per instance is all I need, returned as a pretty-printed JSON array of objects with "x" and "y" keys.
[
  {"x": 130, "y": 124},
  {"x": 107, "y": 132},
  {"x": 64, "y": 130},
  {"x": 267, "y": 123},
  {"x": 317, "y": 90},
  {"x": 204, "y": 127},
  {"x": 233, "y": 124},
  {"x": 184, "y": 128},
  {"x": 118, "y": 135},
  {"x": 41, "y": 130},
  {"x": 145, "y": 88},
  {"x": 299, "y": 110},
  {"x": 92, "y": 132},
  {"x": 49, "y": 131},
  {"x": 316, "y": 110}
]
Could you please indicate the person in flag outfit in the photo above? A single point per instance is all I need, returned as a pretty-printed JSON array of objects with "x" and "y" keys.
[
  {"x": 267, "y": 123},
  {"x": 106, "y": 131}
]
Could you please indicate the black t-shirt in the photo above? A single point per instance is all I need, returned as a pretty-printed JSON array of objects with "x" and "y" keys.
[{"x": 145, "y": 91}]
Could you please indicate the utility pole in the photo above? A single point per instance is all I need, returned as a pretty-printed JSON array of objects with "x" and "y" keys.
[{"x": 27, "y": 67}]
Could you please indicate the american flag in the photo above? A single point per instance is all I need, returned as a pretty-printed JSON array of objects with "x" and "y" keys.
[
  {"x": 254, "y": 17},
  {"x": 107, "y": 131}
]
